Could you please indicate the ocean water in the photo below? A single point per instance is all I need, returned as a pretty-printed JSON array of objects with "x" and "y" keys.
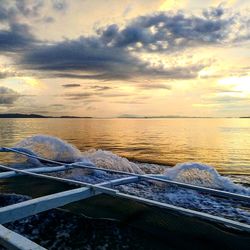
[
  {"x": 221, "y": 143},
  {"x": 171, "y": 147}
]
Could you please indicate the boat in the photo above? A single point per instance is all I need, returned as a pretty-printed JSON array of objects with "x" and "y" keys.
[{"x": 158, "y": 217}]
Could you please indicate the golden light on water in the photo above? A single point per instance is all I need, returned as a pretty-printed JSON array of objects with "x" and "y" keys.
[{"x": 221, "y": 143}]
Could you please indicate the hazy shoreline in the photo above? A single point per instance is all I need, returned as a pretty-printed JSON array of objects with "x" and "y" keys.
[{"x": 19, "y": 115}]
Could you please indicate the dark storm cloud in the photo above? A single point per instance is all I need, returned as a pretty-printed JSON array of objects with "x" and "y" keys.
[
  {"x": 107, "y": 55},
  {"x": 85, "y": 53},
  {"x": 8, "y": 96},
  {"x": 16, "y": 38},
  {"x": 97, "y": 61},
  {"x": 168, "y": 32},
  {"x": 71, "y": 85}
]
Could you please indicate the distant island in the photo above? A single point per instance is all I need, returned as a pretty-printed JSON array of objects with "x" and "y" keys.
[
  {"x": 17, "y": 115},
  {"x": 170, "y": 116}
]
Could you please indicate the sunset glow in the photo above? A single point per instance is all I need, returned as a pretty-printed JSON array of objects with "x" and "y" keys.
[{"x": 143, "y": 58}]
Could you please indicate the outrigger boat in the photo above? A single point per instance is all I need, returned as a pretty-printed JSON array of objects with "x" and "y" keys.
[{"x": 189, "y": 220}]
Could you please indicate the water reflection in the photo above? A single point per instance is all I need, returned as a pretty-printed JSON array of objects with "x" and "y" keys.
[{"x": 223, "y": 143}]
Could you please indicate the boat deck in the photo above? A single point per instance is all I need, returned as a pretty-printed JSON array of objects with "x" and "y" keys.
[{"x": 83, "y": 190}]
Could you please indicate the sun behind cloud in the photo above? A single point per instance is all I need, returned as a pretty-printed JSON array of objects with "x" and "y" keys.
[
  {"x": 241, "y": 84},
  {"x": 31, "y": 81},
  {"x": 172, "y": 4},
  {"x": 155, "y": 57}
]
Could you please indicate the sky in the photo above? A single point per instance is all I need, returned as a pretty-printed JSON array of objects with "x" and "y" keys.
[{"x": 109, "y": 58}]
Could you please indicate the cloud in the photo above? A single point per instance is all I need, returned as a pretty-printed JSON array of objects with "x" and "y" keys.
[
  {"x": 71, "y": 85},
  {"x": 93, "y": 96},
  {"x": 14, "y": 35},
  {"x": 16, "y": 10},
  {"x": 59, "y": 5},
  {"x": 130, "y": 102},
  {"x": 5, "y": 73},
  {"x": 8, "y": 96},
  {"x": 57, "y": 105},
  {"x": 6, "y": 12},
  {"x": 16, "y": 38},
  {"x": 89, "y": 58},
  {"x": 84, "y": 53},
  {"x": 29, "y": 8},
  {"x": 97, "y": 88},
  {"x": 168, "y": 32},
  {"x": 226, "y": 99},
  {"x": 114, "y": 52},
  {"x": 48, "y": 19},
  {"x": 115, "y": 95},
  {"x": 100, "y": 88},
  {"x": 154, "y": 86},
  {"x": 78, "y": 96}
]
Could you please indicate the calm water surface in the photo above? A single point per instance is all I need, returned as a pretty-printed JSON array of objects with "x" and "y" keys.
[{"x": 222, "y": 143}]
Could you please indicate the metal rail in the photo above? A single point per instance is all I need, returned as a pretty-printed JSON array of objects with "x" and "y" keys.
[
  {"x": 159, "y": 178},
  {"x": 10, "y": 174},
  {"x": 12, "y": 240},
  {"x": 24, "y": 209},
  {"x": 102, "y": 188},
  {"x": 31, "y": 207}
]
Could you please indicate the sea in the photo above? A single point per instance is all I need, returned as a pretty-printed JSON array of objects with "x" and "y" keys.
[
  {"x": 221, "y": 143},
  {"x": 212, "y": 152}
]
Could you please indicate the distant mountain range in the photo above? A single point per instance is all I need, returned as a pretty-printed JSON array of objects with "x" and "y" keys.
[
  {"x": 17, "y": 115},
  {"x": 151, "y": 117},
  {"x": 170, "y": 116}
]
